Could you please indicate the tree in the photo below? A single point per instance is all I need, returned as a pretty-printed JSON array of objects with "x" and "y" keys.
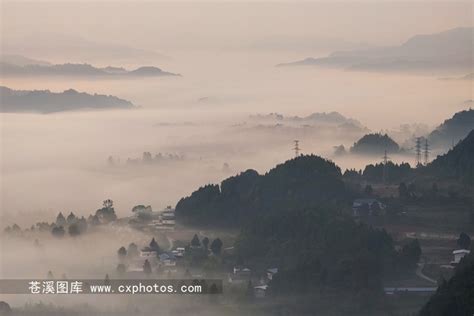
[
  {"x": 403, "y": 190},
  {"x": 58, "y": 231},
  {"x": 60, "y": 220},
  {"x": 464, "y": 241},
  {"x": 195, "y": 241},
  {"x": 121, "y": 269},
  {"x": 410, "y": 254},
  {"x": 108, "y": 203},
  {"x": 205, "y": 242},
  {"x": 216, "y": 246},
  {"x": 74, "y": 230},
  {"x": 5, "y": 309},
  {"x": 132, "y": 250},
  {"x": 82, "y": 224},
  {"x": 122, "y": 253},
  {"x": 93, "y": 220},
  {"x": 147, "y": 267},
  {"x": 107, "y": 213},
  {"x": 71, "y": 219},
  {"x": 368, "y": 190},
  {"x": 154, "y": 245}
]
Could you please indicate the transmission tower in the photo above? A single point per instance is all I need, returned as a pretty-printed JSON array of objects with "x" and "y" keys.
[
  {"x": 385, "y": 161},
  {"x": 426, "y": 152},
  {"x": 297, "y": 148},
  {"x": 418, "y": 151}
]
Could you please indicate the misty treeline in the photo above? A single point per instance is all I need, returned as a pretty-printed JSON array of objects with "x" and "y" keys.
[
  {"x": 458, "y": 164},
  {"x": 147, "y": 158},
  {"x": 72, "y": 224}
]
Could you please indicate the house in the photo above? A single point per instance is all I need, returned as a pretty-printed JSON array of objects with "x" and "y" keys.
[
  {"x": 166, "y": 220},
  {"x": 179, "y": 252},
  {"x": 148, "y": 253},
  {"x": 167, "y": 259},
  {"x": 366, "y": 207},
  {"x": 459, "y": 254},
  {"x": 271, "y": 272},
  {"x": 239, "y": 275},
  {"x": 260, "y": 291}
]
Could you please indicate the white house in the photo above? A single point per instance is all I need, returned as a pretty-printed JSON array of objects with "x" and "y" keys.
[
  {"x": 179, "y": 252},
  {"x": 459, "y": 254}
]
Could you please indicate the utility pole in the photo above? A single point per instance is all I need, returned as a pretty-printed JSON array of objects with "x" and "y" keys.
[
  {"x": 418, "y": 151},
  {"x": 426, "y": 152},
  {"x": 297, "y": 148}
]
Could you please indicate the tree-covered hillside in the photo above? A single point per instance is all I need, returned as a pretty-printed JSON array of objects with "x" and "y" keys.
[
  {"x": 452, "y": 130},
  {"x": 305, "y": 181},
  {"x": 456, "y": 296},
  {"x": 458, "y": 163},
  {"x": 375, "y": 144}
]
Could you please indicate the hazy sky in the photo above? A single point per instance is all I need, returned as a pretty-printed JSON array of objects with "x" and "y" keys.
[
  {"x": 226, "y": 52},
  {"x": 169, "y": 26}
]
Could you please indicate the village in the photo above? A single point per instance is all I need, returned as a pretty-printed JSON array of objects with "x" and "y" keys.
[{"x": 193, "y": 255}]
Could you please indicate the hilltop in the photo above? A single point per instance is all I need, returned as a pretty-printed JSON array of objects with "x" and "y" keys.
[
  {"x": 305, "y": 181},
  {"x": 375, "y": 144},
  {"x": 45, "y": 101},
  {"x": 70, "y": 69},
  {"x": 453, "y": 129},
  {"x": 458, "y": 163},
  {"x": 448, "y": 50}
]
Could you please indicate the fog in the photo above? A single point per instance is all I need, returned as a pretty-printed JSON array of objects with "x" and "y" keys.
[
  {"x": 226, "y": 54},
  {"x": 48, "y": 158}
]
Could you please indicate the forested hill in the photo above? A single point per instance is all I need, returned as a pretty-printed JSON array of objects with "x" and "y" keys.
[
  {"x": 452, "y": 130},
  {"x": 302, "y": 182},
  {"x": 458, "y": 162},
  {"x": 375, "y": 144},
  {"x": 456, "y": 296}
]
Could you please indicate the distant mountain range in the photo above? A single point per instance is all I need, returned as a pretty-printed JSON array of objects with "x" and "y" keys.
[
  {"x": 45, "y": 101},
  {"x": 296, "y": 127},
  {"x": 58, "y": 45},
  {"x": 16, "y": 65},
  {"x": 452, "y": 130},
  {"x": 446, "y": 51}
]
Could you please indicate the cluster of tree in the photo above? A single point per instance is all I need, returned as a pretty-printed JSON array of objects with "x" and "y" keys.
[
  {"x": 147, "y": 158},
  {"x": 390, "y": 172},
  {"x": 71, "y": 224},
  {"x": 305, "y": 181},
  {"x": 456, "y": 296},
  {"x": 215, "y": 247},
  {"x": 458, "y": 163},
  {"x": 376, "y": 143},
  {"x": 131, "y": 252},
  {"x": 316, "y": 248},
  {"x": 76, "y": 226}
]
